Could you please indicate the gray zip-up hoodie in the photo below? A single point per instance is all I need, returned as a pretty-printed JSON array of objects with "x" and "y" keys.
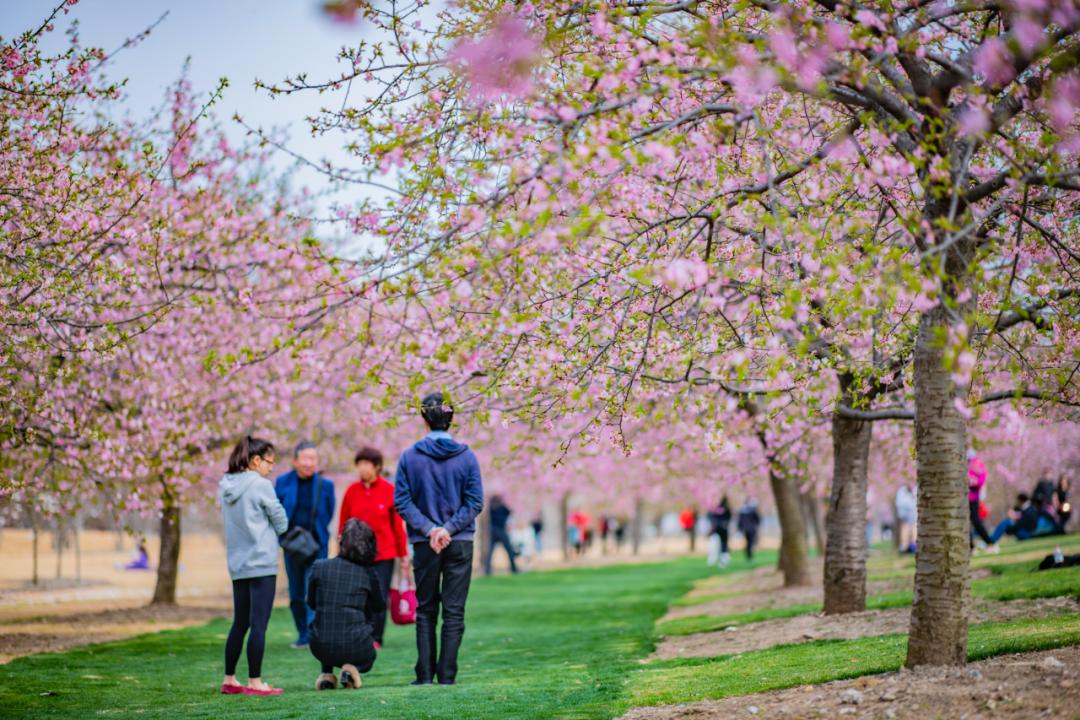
[{"x": 253, "y": 520}]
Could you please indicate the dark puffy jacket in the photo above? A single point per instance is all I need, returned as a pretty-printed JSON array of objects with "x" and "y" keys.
[{"x": 748, "y": 520}]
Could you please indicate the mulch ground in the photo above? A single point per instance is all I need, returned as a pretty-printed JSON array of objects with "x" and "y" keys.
[
  {"x": 816, "y": 626},
  {"x": 1009, "y": 687}
]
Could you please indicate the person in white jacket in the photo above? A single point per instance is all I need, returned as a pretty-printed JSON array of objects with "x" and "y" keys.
[{"x": 253, "y": 521}]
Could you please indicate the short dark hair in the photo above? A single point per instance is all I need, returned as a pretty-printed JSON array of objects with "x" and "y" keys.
[
  {"x": 436, "y": 411},
  {"x": 247, "y": 449},
  {"x": 358, "y": 544},
  {"x": 372, "y": 455},
  {"x": 305, "y": 445}
]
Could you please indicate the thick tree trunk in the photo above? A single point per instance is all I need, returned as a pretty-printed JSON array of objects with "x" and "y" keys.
[
  {"x": 939, "y": 615},
  {"x": 845, "y": 523},
  {"x": 794, "y": 562},
  {"x": 169, "y": 556}
]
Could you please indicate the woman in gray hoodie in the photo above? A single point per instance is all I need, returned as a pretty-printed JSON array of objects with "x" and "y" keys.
[{"x": 253, "y": 520}]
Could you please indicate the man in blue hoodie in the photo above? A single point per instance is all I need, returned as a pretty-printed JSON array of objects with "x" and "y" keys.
[{"x": 438, "y": 491}]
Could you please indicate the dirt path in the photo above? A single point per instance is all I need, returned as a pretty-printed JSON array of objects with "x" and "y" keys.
[
  {"x": 1009, "y": 687},
  {"x": 764, "y": 589},
  {"x": 805, "y": 628},
  {"x": 52, "y": 632}
]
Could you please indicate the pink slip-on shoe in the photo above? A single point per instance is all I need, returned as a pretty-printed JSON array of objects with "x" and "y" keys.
[
  {"x": 227, "y": 689},
  {"x": 263, "y": 693}
]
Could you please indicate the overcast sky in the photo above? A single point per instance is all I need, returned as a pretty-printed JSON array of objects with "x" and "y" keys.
[{"x": 237, "y": 39}]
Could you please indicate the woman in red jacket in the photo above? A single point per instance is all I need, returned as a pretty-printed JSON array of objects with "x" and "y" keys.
[{"x": 371, "y": 499}]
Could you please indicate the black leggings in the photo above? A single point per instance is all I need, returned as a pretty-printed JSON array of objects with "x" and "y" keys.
[{"x": 253, "y": 598}]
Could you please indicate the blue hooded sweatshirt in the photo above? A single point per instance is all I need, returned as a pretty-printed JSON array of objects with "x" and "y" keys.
[{"x": 438, "y": 484}]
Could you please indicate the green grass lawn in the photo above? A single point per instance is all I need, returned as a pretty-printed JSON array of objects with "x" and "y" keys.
[
  {"x": 562, "y": 644},
  {"x": 679, "y": 681},
  {"x": 1009, "y": 580},
  {"x": 539, "y": 645}
]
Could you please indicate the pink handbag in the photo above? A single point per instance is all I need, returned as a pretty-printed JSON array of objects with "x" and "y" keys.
[{"x": 403, "y": 601}]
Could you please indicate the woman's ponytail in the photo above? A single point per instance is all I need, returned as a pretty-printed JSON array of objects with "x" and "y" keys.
[{"x": 249, "y": 447}]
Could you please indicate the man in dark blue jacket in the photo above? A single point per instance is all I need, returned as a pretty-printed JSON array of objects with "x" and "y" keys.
[
  {"x": 308, "y": 499},
  {"x": 438, "y": 491}
]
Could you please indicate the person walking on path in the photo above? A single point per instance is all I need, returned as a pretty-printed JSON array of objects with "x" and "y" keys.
[
  {"x": 976, "y": 481},
  {"x": 345, "y": 594},
  {"x": 748, "y": 523},
  {"x": 688, "y": 521},
  {"x": 500, "y": 514},
  {"x": 907, "y": 517},
  {"x": 439, "y": 492},
  {"x": 1061, "y": 502},
  {"x": 538, "y": 532},
  {"x": 308, "y": 499},
  {"x": 719, "y": 520},
  {"x": 253, "y": 520},
  {"x": 371, "y": 500}
]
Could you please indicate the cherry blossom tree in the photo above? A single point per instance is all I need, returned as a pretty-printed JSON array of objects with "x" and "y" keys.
[{"x": 610, "y": 202}]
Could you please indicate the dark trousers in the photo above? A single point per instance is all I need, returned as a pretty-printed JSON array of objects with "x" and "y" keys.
[
  {"x": 977, "y": 524},
  {"x": 253, "y": 599},
  {"x": 751, "y": 540},
  {"x": 384, "y": 571},
  {"x": 499, "y": 536},
  {"x": 723, "y": 533},
  {"x": 299, "y": 576},
  {"x": 442, "y": 579}
]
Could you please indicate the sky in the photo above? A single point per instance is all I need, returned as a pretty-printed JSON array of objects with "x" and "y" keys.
[{"x": 238, "y": 39}]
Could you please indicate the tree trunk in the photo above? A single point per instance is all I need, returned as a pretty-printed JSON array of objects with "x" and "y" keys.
[
  {"x": 59, "y": 542},
  {"x": 635, "y": 525},
  {"x": 845, "y": 524},
  {"x": 169, "y": 555},
  {"x": 35, "y": 535},
  {"x": 812, "y": 519},
  {"x": 77, "y": 538},
  {"x": 794, "y": 562},
  {"x": 939, "y": 615},
  {"x": 481, "y": 540}
]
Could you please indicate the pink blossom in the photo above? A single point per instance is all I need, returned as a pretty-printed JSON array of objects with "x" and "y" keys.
[
  {"x": 660, "y": 152},
  {"x": 1064, "y": 101},
  {"x": 685, "y": 273},
  {"x": 870, "y": 19},
  {"x": 501, "y": 62},
  {"x": 837, "y": 35},
  {"x": 1029, "y": 34},
  {"x": 566, "y": 113},
  {"x": 600, "y": 26},
  {"x": 994, "y": 62},
  {"x": 784, "y": 46},
  {"x": 973, "y": 121}
]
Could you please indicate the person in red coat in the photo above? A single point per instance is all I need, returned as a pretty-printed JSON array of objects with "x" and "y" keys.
[{"x": 371, "y": 499}]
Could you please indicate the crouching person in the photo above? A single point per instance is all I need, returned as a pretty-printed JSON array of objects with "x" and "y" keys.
[{"x": 344, "y": 593}]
